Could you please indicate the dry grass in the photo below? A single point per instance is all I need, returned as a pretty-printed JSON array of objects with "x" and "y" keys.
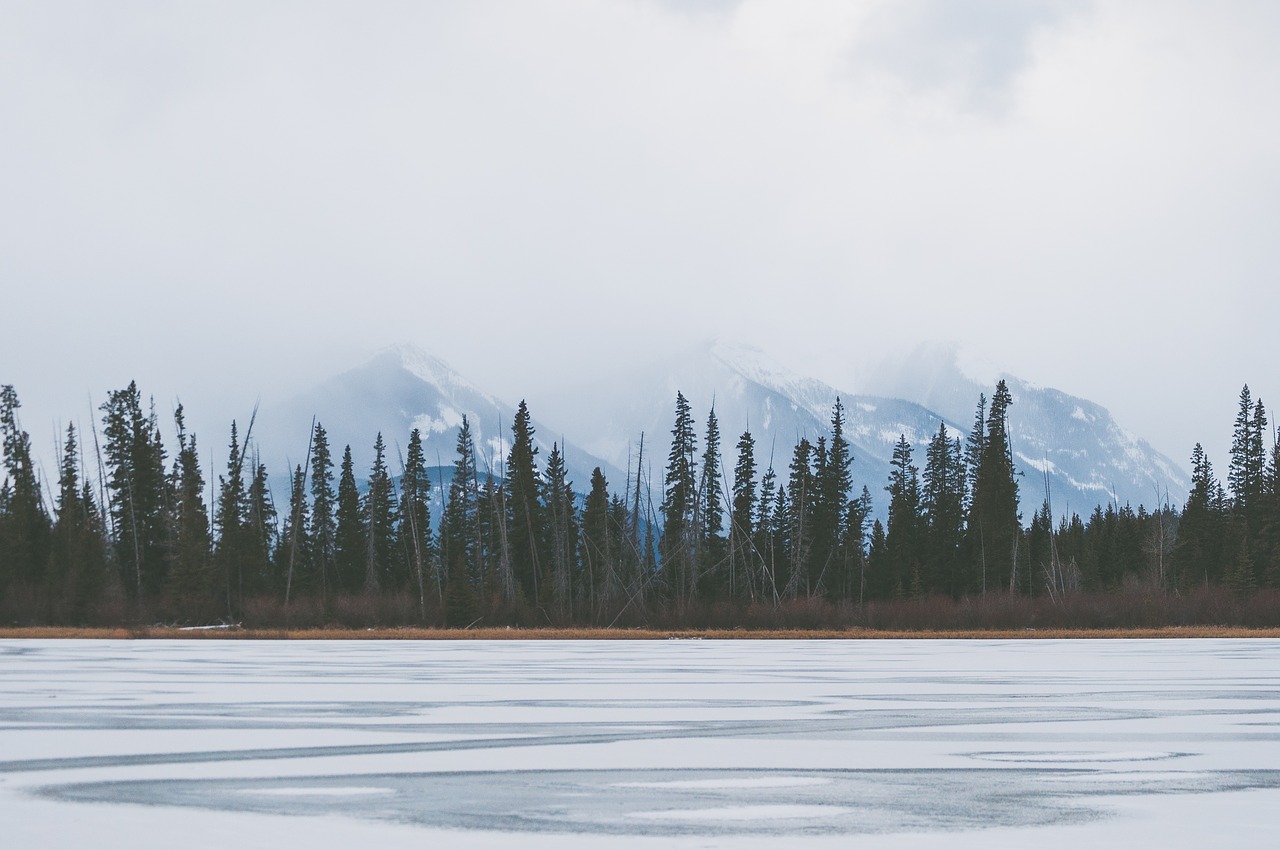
[{"x": 171, "y": 633}]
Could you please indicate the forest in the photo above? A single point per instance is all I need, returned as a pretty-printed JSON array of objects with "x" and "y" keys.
[{"x": 132, "y": 532}]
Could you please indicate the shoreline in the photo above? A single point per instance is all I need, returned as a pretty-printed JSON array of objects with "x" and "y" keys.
[{"x": 237, "y": 633}]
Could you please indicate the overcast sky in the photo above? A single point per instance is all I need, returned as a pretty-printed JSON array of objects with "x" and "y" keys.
[{"x": 226, "y": 199}]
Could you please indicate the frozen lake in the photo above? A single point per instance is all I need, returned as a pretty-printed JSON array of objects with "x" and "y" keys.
[{"x": 654, "y": 744}]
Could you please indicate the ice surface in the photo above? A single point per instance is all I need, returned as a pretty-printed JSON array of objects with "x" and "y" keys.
[{"x": 1051, "y": 744}]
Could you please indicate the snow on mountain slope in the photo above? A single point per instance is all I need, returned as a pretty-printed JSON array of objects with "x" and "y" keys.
[
  {"x": 1087, "y": 456},
  {"x": 402, "y": 388}
]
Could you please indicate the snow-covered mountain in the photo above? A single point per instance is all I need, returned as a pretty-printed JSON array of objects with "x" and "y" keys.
[
  {"x": 397, "y": 390},
  {"x": 1087, "y": 457},
  {"x": 1071, "y": 442},
  {"x": 750, "y": 392}
]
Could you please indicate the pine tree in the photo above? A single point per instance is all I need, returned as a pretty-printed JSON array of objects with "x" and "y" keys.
[
  {"x": 459, "y": 535},
  {"x": 380, "y": 511},
  {"x": 679, "y": 503},
  {"x": 191, "y": 583},
  {"x": 942, "y": 505},
  {"x": 801, "y": 496},
  {"x": 710, "y": 513},
  {"x": 558, "y": 499},
  {"x": 766, "y": 538},
  {"x": 599, "y": 551},
  {"x": 24, "y": 522},
  {"x": 323, "y": 528},
  {"x": 527, "y": 524},
  {"x": 413, "y": 528},
  {"x": 1198, "y": 553},
  {"x": 903, "y": 537},
  {"x": 232, "y": 549},
  {"x": 743, "y": 569},
  {"x": 261, "y": 529},
  {"x": 994, "y": 527},
  {"x": 350, "y": 539},
  {"x": 294, "y": 552},
  {"x": 135, "y": 462},
  {"x": 77, "y": 554}
]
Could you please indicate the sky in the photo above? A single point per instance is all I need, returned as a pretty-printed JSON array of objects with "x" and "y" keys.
[{"x": 229, "y": 201}]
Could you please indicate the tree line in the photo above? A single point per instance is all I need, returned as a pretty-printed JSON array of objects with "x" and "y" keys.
[{"x": 132, "y": 529}]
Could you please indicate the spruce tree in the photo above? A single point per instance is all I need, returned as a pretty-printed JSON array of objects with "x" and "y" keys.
[
  {"x": 261, "y": 529},
  {"x": 678, "y": 543},
  {"x": 801, "y": 496},
  {"x": 1197, "y": 556},
  {"x": 323, "y": 528},
  {"x": 380, "y": 511},
  {"x": 24, "y": 521},
  {"x": 191, "y": 584},
  {"x": 994, "y": 526},
  {"x": 294, "y": 552},
  {"x": 413, "y": 526},
  {"x": 233, "y": 546},
  {"x": 833, "y": 482},
  {"x": 77, "y": 555},
  {"x": 459, "y": 535},
  {"x": 743, "y": 570},
  {"x": 350, "y": 551},
  {"x": 710, "y": 512},
  {"x": 527, "y": 526},
  {"x": 135, "y": 460},
  {"x": 562, "y": 525},
  {"x": 903, "y": 537},
  {"x": 942, "y": 505},
  {"x": 599, "y": 556}
]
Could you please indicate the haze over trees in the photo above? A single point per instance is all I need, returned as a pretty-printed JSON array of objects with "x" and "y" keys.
[{"x": 135, "y": 531}]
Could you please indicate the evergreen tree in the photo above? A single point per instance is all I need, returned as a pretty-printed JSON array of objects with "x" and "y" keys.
[
  {"x": 135, "y": 462},
  {"x": 294, "y": 553},
  {"x": 766, "y": 538},
  {"x": 1246, "y": 476},
  {"x": 191, "y": 583},
  {"x": 350, "y": 552},
  {"x": 380, "y": 512},
  {"x": 742, "y": 554},
  {"x": 526, "y": 524},
  {"x": 994, "y": 526},
  {"x": 77, "y": 556},
  {"x": 903, "y": 537},
  {"x": 942, "y": 505},
  {"x": 801, "y": 497},
  {"x": 679, "y": 503},
  {"x": 233, "y": 547},
  {"x": 710, "y": 513},
  {"x": 558, "y": 497},
  {"x": 459, "y": 535},
  {"x": 413, "y": 529},
  {"x": 323, "y": 528},
  {"x": 1197, "y": 556},
  {"x": 24, "y": 522},
  {"x": 261, "y": 529},
  {"x": 599, "y": 550},
  {"x": 833, "y": 480}
]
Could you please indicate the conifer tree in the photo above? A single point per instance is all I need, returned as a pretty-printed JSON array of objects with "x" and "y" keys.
[
  {"x": 261, "y": 529},
  {"x": 558, "y": 498},
  {"x": 233, "y": 547},
  {"x": 1198, "y": 553},
  {"x": 459, "y": 535},
  {"x": 742, "y": 558},
  {"x": 24, "y": 522},
  {"x": 678, "y": 543},
  {"x": 380, "y": 511},
  {"x": 294, "y": 552},
  {"x": 77, "y": 556},
  {"x": 350, "y": 552},
  {"x": 135, "y": 462},
  {"x": 323, "y": 528},
  {"x": 903, "y": 537},
  {"x": 526, "y": 536},
  {"x": 942, "y": 505},
  {"x": 710, "y": 512},
  {"x": 599, "y": 551},
  {"x": 413, "y": 527},
  {"x": 191, "y": 583},
  {"x": 801, "y": 495},
  {"x": 833, "y": 481},
  {"x": 994, "y": 526}
]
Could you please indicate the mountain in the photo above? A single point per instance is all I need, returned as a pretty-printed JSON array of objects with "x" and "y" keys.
[
  {"x": 1086, "y": 456},
  {"x": 750, "y": 391},
  {"x": 397, "y": 390}
]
